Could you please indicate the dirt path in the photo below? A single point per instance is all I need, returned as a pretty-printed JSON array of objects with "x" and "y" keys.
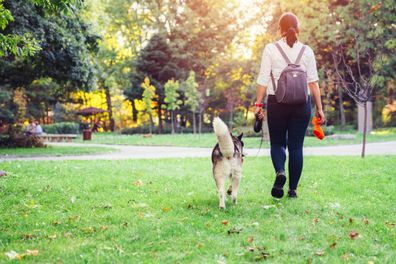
[{"x": 157, "y": 152}]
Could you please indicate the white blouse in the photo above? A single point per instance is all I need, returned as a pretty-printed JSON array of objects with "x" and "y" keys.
[{"x": 272, "y": 59}]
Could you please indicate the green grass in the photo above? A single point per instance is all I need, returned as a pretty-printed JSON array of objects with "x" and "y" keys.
[
  {"x": 209, "y": 140},
  {"x": 53, "y": 151},
  {"x": 165, "y": 211}
]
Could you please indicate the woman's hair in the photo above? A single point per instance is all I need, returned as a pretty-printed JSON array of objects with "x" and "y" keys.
[{"x": 289, "y": 27}]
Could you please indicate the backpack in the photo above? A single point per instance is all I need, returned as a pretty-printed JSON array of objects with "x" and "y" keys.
[{"x": 292, "y": 84}]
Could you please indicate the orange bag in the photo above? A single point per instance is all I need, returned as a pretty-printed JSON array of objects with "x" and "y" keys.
[{"x": 317, "y": 129}]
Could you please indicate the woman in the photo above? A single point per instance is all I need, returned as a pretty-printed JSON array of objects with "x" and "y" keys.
[{"x": 287, "y": 123}]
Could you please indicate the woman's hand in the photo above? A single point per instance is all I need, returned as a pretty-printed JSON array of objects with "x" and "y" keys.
[
  {"x": 320, "y": 114},
  {"x": 258, "y": 111}
]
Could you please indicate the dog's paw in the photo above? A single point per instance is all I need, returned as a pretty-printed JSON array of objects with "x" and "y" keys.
[{"x": 222, "y": 207}]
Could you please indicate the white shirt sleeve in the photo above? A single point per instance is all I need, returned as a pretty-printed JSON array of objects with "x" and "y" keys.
[
  {"x": 265, "y": 68},
  {"x": 312, "y": 72}
]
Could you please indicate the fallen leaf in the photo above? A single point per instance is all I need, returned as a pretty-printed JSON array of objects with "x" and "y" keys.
[
  {"x": 319, "y": 253},
  {"x": 250, "y": 239},
  {"x": 251, "y": 249},
  {"x": 353, "y": 235},
  {"x": 266, "y": 207},
  {"x": 52, "y": 237},
  {"x": 190, "y": 206},
  {"x": 365, "y": 221},
  {"x": 199, "y": 245},
  {"x": 375, "y": 8},
  {"x": 74, "y": 218},
  {"x": 89, "y": 230},
  {"x": 13, "y": 255},
  {"x": 166, "y": 209},
  {"x": 67, "y": 234},
  {"x": 389, "y": 224},
  {"x": 350, "y": 220},
  {"x": 125, "y": 224},
  {"x": 301, "y": 238},
  {"x": 332, "y": 246},
  {"x": 27, "y": 236},
  {"x": 307, "y": 211},
  {"x": 315, "y": 221},
  {"x": 33, "y": 252},
  {"x": 345, "y": 256},
  {"x": 104, "y": 228},
  {"x": 235, "y": 230},
  {"x": 56, "y": 223},
  {"x": 370, "y": 262},
  {"x": 138, "y": 183},
  {"x": 225, "y": 222}
]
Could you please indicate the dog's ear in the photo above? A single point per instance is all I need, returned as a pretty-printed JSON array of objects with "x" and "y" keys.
[{"x": 240, "y": 136}]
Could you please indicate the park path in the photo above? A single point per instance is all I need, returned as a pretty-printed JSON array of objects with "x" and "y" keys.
[{"x": 156, "y": 152}]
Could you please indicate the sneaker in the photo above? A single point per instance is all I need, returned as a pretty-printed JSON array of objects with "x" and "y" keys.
[
  {"x": 292, "y": 194},
  {"x": 277, "y": 189},
  {"x": 258, "y": 124}
]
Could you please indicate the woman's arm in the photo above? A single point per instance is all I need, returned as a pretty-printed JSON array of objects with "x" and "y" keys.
[
  {"x": 260, "y": 95},
  {"x": 315, "y": 92}
]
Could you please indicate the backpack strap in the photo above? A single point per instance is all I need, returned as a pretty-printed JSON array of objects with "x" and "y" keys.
[
  {"x": 300, "y": 55},
  {"x": 283, "y": 53}
]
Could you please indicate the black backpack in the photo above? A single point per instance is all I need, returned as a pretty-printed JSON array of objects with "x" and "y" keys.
[{"x": 292, "y": 85}]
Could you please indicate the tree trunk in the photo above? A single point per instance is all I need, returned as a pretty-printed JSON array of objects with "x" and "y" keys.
[
  {"x": 199, "y": 123},
  {"x": 194, "y": 126},
  {"x": 341, "y": 105},
  {"x": 151, "y": 124},
  {"x": 364, "y": 130},
  {"x": 159, "y": 112},
  {"x": 109, "y": 108},
  {"x": 134, "y": 111},
  {"x": 172, "y": 123}
]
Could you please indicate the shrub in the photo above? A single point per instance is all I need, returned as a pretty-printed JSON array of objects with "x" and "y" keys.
[
  {"x": 62, "y": 128},
  {"x": 22, "y": 141},
  {"x": 165, "y": 130}
]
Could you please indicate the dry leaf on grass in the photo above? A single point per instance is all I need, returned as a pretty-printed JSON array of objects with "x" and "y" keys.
[
  {"x": 33, "y": 252},
  {"x": 353, "y": 235},
  {"x": 225, "y": 222},
  {"x": 332, "y": 246},
  {"x": 138, "y": 183},
  {"x": 166, "y": 209},
  {"x": 315, "y": 221},
  {"x": 250, "y": 239},
  {"x": 319, "y": 253},
  {"x": 345, "y": 256}
]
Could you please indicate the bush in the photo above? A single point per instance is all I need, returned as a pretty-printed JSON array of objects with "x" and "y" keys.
[
  {"x": 22, "y": 141},
  {"x": 62, "y": 128}
]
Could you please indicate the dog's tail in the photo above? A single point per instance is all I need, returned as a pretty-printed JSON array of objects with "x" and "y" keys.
[{"x": 223, "y": 137}]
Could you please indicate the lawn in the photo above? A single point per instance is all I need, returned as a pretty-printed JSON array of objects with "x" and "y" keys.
[
  {"x": 209, "y": 140},
  {"x": 53, "y": 151},
  {"x": 165, "y": 211}
]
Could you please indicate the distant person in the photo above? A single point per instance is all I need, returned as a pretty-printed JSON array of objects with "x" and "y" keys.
[
  {"x": 96, "y": 127},
  {"x": 288, "y": 117},
  {"x": 31, "y": 128},
  {"x": 39, "y": 129}
]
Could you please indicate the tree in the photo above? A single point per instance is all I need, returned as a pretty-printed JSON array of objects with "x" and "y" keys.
[
  {"x": 64, "y": 58},
  {"x": 148, "y": 96},
  {"x": 171, "y": 99},
  {"x": 193, "y": 96}
]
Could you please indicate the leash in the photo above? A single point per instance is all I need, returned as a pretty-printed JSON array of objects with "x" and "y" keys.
[{"x": 261, "y": 142}]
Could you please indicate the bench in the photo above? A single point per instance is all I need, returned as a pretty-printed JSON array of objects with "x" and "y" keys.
[{"x": 58, "y": 137}]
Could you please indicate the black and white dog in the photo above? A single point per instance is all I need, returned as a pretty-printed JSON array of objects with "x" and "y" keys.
[{"x": 227, "y": 160}]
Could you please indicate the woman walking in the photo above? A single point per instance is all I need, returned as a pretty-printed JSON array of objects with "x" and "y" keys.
[{"x": 287, "y": 119}]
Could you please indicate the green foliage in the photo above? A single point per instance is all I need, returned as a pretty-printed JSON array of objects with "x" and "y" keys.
[
  {"x": 191, "y": 92},
  {"x": 171, "y": 95},
  {"x": 62, "y": 128},
  {"x": 148, "y": 94}
]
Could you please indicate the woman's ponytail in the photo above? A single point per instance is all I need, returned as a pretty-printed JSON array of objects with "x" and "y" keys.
[
  {"x": 291, "y": 36},
  {"x": 289, "y": 27}
]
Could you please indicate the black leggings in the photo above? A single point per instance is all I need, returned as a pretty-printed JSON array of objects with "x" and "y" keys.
[{"x": 287, "y": 125}]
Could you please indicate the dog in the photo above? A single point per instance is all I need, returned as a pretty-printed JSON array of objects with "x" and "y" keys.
[{"x": 227, "y": 160}]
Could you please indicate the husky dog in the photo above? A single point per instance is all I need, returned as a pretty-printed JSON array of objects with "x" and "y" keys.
[{"x": 227, "y": 159}]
